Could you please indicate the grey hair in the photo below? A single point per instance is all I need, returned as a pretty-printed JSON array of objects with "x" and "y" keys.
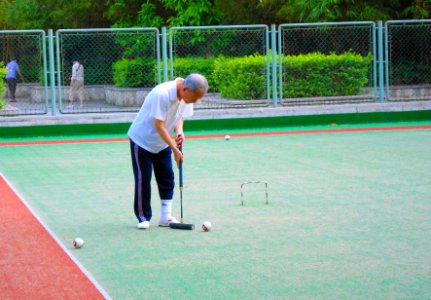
[{"x": 196, "y": 83}]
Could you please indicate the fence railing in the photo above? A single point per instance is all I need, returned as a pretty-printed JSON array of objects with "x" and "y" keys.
[
  {"x": 29, "y": 50},
  {"x": 218, "y": 53},
  {"x": 408, "y": 56},
  {"x": 119, "y": 65},
  {"x": 246, "y": 65},
  {"x": 324, "y": 63}
]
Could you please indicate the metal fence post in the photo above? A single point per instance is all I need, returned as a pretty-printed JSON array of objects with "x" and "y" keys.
[
  {"x": 280, "y": 65},
  {"x": 268, "y": 72},
  {"x": 171, "y": 67},
  {"x": 51, "y": 70},
  {"x": 274, "y": 65},
  {"x": 164, "y": 55},
  {"x": 387, "y": 59},
  {"x": 57, "y": 46},
  {"x": 45, "y": 72},
  {"x": 380, "y": 59}
]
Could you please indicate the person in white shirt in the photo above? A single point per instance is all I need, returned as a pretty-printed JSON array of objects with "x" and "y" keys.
[
  {"x": 151, "y": 144},
  {"x": 77, "y": 83}
]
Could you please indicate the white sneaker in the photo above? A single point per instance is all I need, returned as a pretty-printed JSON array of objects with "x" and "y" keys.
[
  {"x": 165, "y": 223},
  {"x": 143, "y": 225}
]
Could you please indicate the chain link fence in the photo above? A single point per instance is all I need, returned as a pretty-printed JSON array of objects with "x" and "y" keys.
[
  {"x": 317, "y": 64},
  {"x": 120, "y": 66},
  {"x": 408, "y": 53},
  {"x": 234, "y": 59},
  {"x": 27, "y": 47},
  {"x": 327, "y": 63}
]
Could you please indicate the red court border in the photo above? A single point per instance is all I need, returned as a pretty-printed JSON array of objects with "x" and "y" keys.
[
  {"x": 209, "y": 136},
  {"x": 32, "y": 263}
]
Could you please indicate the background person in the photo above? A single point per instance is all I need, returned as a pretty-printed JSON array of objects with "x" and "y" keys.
[
  {"x": 151, "y": 144},
  {"x": 11, "y": 77},
  {"x": 77, "y": 83}
]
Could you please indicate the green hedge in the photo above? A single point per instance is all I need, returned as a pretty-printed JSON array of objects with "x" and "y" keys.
[
  {"x": 242, "y": 77},
  {"x": 316, "y": 74},
  {"x": 308, "y": 75},
  {"x": 3, "y": 71},
  {"x": 139, "y": 72}
]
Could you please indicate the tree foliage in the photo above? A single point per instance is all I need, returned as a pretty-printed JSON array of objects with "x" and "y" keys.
[
  {"x": 45, "y": 14},
  {"x": 52, "y": 14}
]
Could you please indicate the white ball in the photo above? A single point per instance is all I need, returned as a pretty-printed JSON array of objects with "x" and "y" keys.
[
  {"x": 206, "y": 226},
  {"x": 78, "y": 243},
  {"x": 227, "y": 137}
]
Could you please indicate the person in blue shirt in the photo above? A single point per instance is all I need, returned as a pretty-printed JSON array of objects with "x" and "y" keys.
[{"x": 11, "y": 77}]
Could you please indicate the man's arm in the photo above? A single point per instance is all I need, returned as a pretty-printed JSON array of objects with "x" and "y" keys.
[
  {"x": 19, "y": 73},
  {"x": 179, "y": 138},
  {"x": 161, "y": 129}
]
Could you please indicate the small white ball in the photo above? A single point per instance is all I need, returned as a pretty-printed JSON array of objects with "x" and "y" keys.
[
  {"x": 78, "y": 243},
  {"x": 227, "y": 137},
  {"x": 206, "y": 226}
]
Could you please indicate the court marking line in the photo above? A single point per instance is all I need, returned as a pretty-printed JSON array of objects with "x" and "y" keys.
[
  {"x": 57, "y": 240},
  {"x": 219, "y": 135}
]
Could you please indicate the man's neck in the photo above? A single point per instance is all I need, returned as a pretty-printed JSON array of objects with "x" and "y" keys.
[{"x": 179, "y": 83}]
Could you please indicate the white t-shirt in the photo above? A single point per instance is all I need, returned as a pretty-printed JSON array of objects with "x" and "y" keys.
[
  {"x": 77, "y": 71},
  {"x": 161, "y": 104}
]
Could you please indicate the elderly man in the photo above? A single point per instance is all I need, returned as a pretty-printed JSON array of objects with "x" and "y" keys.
[{"x": 151, "y": 144}]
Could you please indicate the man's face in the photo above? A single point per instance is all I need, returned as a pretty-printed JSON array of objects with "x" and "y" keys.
[{"x": 189, "y": 97}]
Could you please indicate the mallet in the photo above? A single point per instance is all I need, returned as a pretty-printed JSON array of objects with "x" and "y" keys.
[{"x": 181, "y": 225}]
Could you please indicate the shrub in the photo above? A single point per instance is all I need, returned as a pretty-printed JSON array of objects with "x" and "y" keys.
[
  {"x": 184, "y": 66},
  {"x": 308, "y": 75},
  {"x": 316, "y": 74},
  {"x": 241, "y": 77},
  {"x": 140, "y": 72},
  {"x": 2, "y": 86}
]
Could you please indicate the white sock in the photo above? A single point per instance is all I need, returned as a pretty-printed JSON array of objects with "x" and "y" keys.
[{"x": 166, "y": 209}]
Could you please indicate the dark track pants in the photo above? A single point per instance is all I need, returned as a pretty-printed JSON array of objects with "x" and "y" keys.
[
  {"x": 143, "y": 163},
  {"x": 11, "y": 83}
]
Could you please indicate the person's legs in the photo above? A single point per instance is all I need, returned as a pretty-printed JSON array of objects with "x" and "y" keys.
[
  {"x": 142, "y": 169},
  {"x": 165, "y": 182},
  {"x": 80, "y": 92},
  {"x": 11, "y": 82},
  {"x": 72, "y": 91}
]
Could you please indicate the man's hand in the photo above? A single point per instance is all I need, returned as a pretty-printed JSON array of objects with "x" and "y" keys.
[
  {"x": 178, "y": 156},
  {"x": 179, "y": 139}
]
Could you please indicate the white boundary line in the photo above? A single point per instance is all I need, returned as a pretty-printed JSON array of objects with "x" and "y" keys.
[{"x": 62, "y": 246}]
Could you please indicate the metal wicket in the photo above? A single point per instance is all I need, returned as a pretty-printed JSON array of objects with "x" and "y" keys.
[{"x": 254, "y": 182}]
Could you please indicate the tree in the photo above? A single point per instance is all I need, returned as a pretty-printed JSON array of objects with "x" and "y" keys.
[
  {"x": 299, "y": 11},
  {"x": 22, "y": 14},
  {"x": 354, "y": 10},
  {"x": 163, "y": 13},
  {"x": 52, "y": 14}
]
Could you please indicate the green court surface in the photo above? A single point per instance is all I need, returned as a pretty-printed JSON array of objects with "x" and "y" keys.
[{"x": 348, "y": 216}]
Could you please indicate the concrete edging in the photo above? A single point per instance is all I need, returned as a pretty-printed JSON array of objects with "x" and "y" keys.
[{"x": 213, "y": 114}]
